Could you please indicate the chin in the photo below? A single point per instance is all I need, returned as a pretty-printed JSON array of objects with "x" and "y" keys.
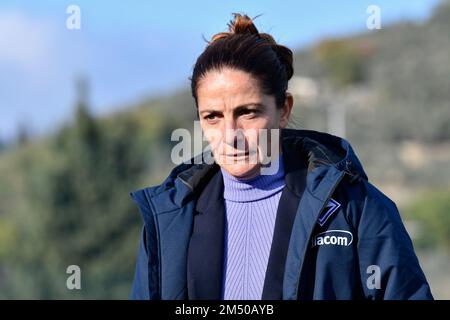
[{"x": 242, "y": 171}]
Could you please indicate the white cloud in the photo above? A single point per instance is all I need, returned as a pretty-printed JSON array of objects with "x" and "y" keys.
[{"x": 25, "y": 42}]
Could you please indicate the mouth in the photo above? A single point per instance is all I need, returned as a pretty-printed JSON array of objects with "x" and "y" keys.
[{"x": 237, "y": 155}]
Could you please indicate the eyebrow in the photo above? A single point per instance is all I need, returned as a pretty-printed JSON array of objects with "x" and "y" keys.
[{"x": 259, "y": 106}]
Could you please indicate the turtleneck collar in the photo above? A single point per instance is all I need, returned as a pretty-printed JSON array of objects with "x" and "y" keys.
[{"x": 256, "y": 188}]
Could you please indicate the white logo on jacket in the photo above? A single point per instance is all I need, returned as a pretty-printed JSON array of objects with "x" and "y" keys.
[{"x": 333, "y": 237}]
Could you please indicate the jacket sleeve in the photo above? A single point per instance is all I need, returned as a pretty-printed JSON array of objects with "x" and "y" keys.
[
  {"x": 388, "y": 265},
  {"x": 146, "y": 278},
  {"x": 140, "y": 290}
]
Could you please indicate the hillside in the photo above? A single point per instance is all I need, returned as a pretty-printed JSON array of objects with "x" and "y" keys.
[{"x": 64, "y": 198}]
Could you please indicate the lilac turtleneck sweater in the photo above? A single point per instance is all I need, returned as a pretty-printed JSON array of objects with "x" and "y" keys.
[{"x": 251, "y": 208}]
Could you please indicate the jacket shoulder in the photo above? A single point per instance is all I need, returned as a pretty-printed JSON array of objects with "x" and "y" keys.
[{"x": 365, "y": 203}]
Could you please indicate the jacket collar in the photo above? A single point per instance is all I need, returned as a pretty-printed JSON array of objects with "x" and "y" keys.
[
  {"x": 323, "y": 151},
  {"x": 317, "y": 149}
]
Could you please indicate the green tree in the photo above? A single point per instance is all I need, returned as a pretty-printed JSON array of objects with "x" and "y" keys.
[
  {"x": 431, "y": 210},
  {"x": 80, "y": 212}
]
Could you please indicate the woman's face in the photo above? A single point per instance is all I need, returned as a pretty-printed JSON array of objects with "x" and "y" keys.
[{"x": 232, "y": 108}]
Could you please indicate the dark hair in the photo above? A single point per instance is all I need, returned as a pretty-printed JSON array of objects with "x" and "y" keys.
[{"x": 244, "y": 48}]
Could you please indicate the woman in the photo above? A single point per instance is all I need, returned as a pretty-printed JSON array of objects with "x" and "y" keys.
[{"x": 314, "y": 228}]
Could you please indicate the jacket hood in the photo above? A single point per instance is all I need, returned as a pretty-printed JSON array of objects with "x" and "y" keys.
[{"x": 321, "y": 150}]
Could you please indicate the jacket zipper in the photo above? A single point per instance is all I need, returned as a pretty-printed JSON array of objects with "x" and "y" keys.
[
  {"x": 156, "y": 226},
  {"x": 310, "y": 235}
]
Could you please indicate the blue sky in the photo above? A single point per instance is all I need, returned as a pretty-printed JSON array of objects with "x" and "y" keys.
[{"x": 132, "y": 50}]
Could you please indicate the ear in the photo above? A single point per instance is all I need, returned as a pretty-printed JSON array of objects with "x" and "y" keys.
[{"x": 286, "y": 110}]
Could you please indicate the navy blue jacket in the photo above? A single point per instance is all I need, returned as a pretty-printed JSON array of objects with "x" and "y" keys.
[{"x": 336, "y": 235}]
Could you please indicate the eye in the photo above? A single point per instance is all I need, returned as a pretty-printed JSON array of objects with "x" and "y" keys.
[
  {"x": 212, "y": 117},
  {"x": 250, "y": 112}
]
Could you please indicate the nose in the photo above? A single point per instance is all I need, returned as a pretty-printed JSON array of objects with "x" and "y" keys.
[{"x": 234, "y": 135}]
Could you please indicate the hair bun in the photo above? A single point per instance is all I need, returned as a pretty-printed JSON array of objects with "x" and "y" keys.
[{"x": 242, "y": 24}]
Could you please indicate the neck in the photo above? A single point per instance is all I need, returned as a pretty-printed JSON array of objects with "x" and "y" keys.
[{"x": 255, "y": 188}]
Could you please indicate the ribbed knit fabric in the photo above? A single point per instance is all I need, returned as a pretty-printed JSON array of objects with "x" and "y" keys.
[{"x": 251, "y": 208}]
